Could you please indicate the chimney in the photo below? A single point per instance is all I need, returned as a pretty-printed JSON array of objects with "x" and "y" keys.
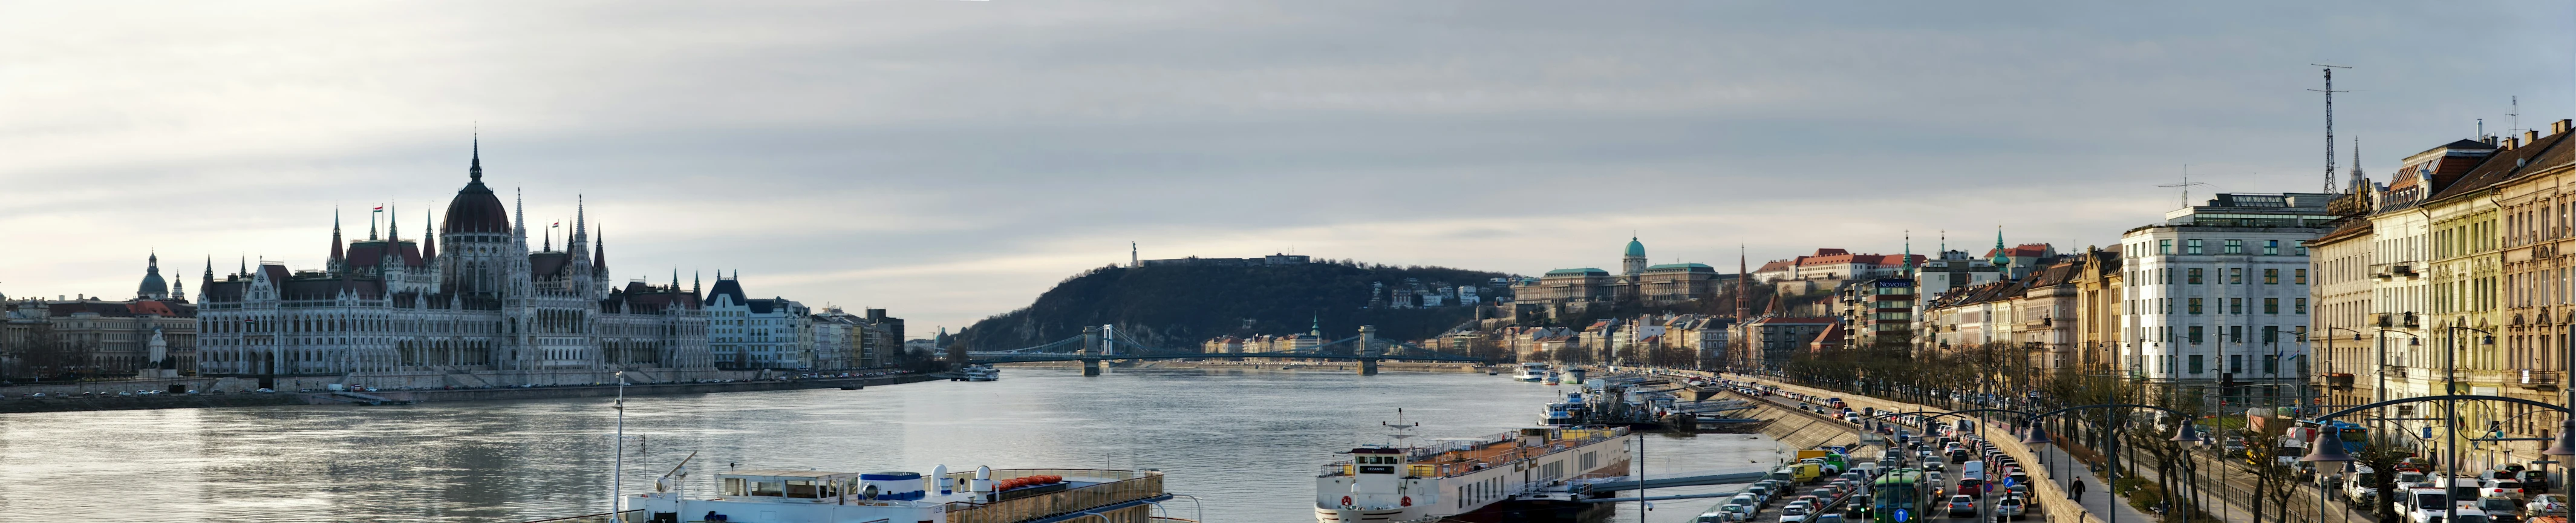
[
  {"x": 2560, "y": 127},
  {"x": 2510, "y": 143},
  {"x": 2490, "y": 140},
  {"x": 2531, "y": 136}
]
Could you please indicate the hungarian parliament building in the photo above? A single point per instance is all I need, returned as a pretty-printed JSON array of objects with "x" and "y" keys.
[{"x": 470, "y": 298}]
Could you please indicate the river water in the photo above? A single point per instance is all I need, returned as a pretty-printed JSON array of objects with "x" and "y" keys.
[{"x": 1246, "y": 442}]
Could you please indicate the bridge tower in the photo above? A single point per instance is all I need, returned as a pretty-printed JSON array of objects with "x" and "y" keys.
[
  {"x": 1366, "y": 351},
  {"x": 1090, "y": 350}
]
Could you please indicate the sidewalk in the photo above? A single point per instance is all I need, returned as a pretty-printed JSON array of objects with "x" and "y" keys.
[{"x": 2097, "y": 493}]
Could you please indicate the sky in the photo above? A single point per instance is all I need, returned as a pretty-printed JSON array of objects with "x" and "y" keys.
[{"x": 949, "y": 160}]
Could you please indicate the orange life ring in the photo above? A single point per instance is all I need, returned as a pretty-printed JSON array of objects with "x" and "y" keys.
[
  {"x": 1408, "y": 501},
  {"x": 1346, "y": 501}
]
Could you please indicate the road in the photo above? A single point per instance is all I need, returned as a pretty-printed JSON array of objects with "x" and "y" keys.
[{"x": 1770, "y": 512}]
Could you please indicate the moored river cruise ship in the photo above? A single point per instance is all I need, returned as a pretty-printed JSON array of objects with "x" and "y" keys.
[{"x": 1489, "y": 479}]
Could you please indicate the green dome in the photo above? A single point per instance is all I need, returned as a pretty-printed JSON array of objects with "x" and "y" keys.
[{"x": 1636, "y": 249}]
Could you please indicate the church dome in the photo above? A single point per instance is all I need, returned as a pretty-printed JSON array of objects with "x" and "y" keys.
[
  {"x": 1635, "y": 248},
  {"x": 475, "y": 208},
  {"x": 153, "y": 285}
]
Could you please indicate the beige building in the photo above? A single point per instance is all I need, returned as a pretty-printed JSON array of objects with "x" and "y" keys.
[{"x": 2529, "y": 360}]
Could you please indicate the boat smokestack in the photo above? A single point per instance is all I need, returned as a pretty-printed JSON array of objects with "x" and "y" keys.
[
  {"x": 946, "y": 486},
  {"x": 983, "y": 483}
]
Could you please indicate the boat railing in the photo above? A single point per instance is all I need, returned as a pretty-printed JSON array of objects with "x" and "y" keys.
[
  {"x": 1139, "y": 485},
  {"x": 630, "y": 516}
]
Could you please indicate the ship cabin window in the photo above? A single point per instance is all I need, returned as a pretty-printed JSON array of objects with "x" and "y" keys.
[
  {"x": 810, "y": 489},
  {"x": 734, "y": 487},
  {"x": 766, "y": 488}
]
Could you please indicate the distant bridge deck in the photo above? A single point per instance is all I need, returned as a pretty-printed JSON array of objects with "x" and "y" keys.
[{"x": 1059, "y": 356}]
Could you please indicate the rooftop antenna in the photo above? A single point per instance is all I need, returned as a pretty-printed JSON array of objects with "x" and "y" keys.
[
  {"x": 2330, "y": 155},
  {"x": 2187, "y": 183},
  {"x": 2514, "y": 119}
]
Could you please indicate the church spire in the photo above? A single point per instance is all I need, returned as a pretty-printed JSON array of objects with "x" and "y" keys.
[{"x": 393, "y": 225}]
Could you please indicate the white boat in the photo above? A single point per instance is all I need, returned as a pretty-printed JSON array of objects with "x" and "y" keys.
[
  {"x": 984, "y": 495},
  {"x": 1551, "y": 378},
  {"x": 1472, "y": 479},
  {"x": 980, "y": 372},
  {"x": 1531, "y": 372}
]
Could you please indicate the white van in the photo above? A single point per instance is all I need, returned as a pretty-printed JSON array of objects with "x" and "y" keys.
[{"x": 1973, "y": 469}]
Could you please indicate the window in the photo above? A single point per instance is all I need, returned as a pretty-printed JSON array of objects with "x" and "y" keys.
[
  {"x": 2235, "y": 247},
  {"x": 2271, "y": 247},
  {"x": 2191, "y": 247},
  {"x": 2195, "y": 361},
  {"x": 2236, "y": 334},
  {"x": 2303, "y": 248},
  {"x": 2236, "y": 275},
  {"x": 2271, "y": 364},
  {"x": 2195, "y": 340},
  {"x": 2299, "y": 276},
  {"x": 2235, "y": 305},
  {"x": 2271, "y": 276},
  {"x": 2235, "y": 363},
  {"x": 2299, "y": 306},
  {"x": 2271, "y": 334},
  {"x": 2164, "y": 246},
  {"x": 2195, "y": 309},
  {"x": 2271, "y": 306},
  {"x": 2195, "y": 278}
]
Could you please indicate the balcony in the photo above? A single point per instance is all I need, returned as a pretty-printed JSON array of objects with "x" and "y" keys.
[
  {"x": 2537, "y": 379},
  {"x": 2337, "y": 380}
]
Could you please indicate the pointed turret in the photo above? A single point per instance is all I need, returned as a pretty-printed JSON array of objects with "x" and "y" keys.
[
  {"x": 2000, "y": 259},
  {"x": 336, "y": 253},
  {"x": 599, "y": 253},
  {"x": 428, "y": 239},
  {"x": 393, "y": 224},
  {"x": 210, "y": 272}
]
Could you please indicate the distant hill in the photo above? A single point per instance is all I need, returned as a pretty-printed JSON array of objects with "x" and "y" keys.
[{"x": 1181, "y": 306}]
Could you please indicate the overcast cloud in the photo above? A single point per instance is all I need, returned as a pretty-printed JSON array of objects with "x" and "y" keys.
[{"x": 950, "y": 160}]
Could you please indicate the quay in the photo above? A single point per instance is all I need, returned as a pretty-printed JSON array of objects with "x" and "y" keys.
[{"x": 24, "y": 402}]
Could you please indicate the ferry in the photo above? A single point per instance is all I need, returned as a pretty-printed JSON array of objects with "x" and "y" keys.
[
  {"x": 1490, "y": 479},
  {"x": 1551, "y": 378},
  {"x": 979, "y": 372},
  {"x": 984, "y": 495},
  {"x": 1531, "y": 372}
]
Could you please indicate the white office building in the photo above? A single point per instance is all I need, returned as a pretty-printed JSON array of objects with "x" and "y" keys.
[{"x": 2220, "y": 292}]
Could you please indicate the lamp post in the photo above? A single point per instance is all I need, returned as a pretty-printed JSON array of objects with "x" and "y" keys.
[{"x": 2450, "y": 407}]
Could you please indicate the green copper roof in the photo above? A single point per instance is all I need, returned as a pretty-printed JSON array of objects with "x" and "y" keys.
[
  {"x": 1585, "y": 270},
  {"x": 1635, "y": 248}
]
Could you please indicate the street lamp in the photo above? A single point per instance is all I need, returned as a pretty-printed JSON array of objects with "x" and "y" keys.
[{"x": 2450, "y": 407}]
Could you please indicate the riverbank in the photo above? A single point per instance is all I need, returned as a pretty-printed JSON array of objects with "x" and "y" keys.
[{"x": 181, "y": 401}]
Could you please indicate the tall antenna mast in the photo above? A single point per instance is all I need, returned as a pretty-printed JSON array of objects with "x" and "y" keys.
[
  {"x": 2514, "y": 119},
  {"x": 2330, "y": 155},
  {"x": 2187, "y": 183}
]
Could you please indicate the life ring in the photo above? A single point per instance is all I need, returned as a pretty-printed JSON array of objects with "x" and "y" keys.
[
  {"x": 1408, "y": 501},
  {"x": 1346, "y": 501}
]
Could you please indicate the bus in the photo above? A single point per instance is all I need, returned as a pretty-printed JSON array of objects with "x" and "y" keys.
[{"x": 1900, "y": 490}]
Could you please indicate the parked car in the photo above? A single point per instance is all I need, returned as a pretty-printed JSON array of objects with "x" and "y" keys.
[
  {"x": 2500, "y": 488},
  {"x": 1793, "y": 514},
  {"x": 2545, "y": 504}
]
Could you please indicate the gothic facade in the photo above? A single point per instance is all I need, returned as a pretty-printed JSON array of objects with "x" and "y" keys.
[{"x": 468, "y": 297}]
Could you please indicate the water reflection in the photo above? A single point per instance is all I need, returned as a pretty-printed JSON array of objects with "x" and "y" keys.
[{"x": 1244, "y": 441}]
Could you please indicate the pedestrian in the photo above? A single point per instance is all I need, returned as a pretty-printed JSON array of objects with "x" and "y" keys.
[{"x": 2076, "y": 491}]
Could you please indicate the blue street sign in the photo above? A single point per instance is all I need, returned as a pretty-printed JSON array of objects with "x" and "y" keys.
[
  {"x": 2008, "y": 481},
  {"x": 1900, "y": 515}
]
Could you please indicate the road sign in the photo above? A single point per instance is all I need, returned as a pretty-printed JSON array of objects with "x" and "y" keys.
[
  {"x": 2008, "y": 482},
  {"x": 1901, "y": 515}
]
